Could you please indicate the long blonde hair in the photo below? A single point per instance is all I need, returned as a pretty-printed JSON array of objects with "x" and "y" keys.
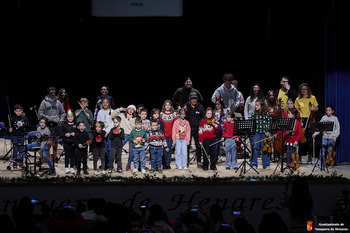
[{"x": 171, "y": 106}]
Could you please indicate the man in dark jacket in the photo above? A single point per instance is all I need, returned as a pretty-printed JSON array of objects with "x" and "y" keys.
[
  {"x": 180, "y": 97},
  {"x": 194, "y": 114}
]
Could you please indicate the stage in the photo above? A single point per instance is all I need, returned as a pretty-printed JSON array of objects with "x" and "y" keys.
[
  {"x": 191, "y": 173},
  {"x": 256, "y": 194}
]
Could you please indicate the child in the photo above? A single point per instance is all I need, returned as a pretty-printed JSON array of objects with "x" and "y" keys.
[
  {"x": 167, "y": 116},
  {"x": 291, "y": 139},
  {"x": 138, "y": 137},
  {"x": 230, "y": 144},
  {"x": 84, "y": 114},
  {"x": 43, "y": 134},
  {"x": 145, "y": 122},
  {"x": 81, "y": 140},
  {"x": 98, "y": 145},
  {"x": 263, "y": 128},
  {"x": 329, "y": 138},
  {"x": 181, "y": 139},
  {"x": 155, "y": 114},
  {"x": 68, "y": 129},
  {"x": 117, "y": 137},
  {"x": 207, "y": 136},
  {"x": 128, "y": 117},
  {"x": 17, "y": 130},
  {"x": 290, "y": 105},
  {"x": 219, "y": 115},
  {"x": 156, "y": 140},
  {"x": 104, "y": 115}
]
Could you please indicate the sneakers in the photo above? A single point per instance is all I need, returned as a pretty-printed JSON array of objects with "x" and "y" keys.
[
  {"x": 135, "y": 170},
  {"x": 180, "y": 168},
  {"x": 160, "y": 171},
  {"x": 72, "y": 171},
  {"x": 103, "y": 172},
  {"x": 185, "y": 168},
  {"x": 67, "y": 170},
  {"x": 143, "y": 171},
  {"x": 95, "y": 172},
  {"x": 151, "y": 171},
  {"x": 127, "y": 168}
]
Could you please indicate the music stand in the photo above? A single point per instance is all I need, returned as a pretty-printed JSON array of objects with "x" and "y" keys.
[
  {"x": 244, "y": 128},
  {"x": 282, "y": 124},
  {"x": 321, "y": 127}
]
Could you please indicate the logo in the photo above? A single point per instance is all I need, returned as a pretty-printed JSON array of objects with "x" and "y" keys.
[{"x": 309, "y": 226}]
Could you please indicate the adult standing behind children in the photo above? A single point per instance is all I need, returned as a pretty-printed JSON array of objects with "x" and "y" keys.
[
  {"x": 104, "y": 94},
  {"x": 194, "y": 114},
  {"x": 51, "y": 107},
  {"x": 227, "y": 93},
  {"x": 285, "y": 92},
  {"x": 181, "y": 95}
]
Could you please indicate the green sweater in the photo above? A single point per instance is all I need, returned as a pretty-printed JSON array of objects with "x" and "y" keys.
[
  {"x": 138, "y": 135},
  {"x": 263, "y": 123}
]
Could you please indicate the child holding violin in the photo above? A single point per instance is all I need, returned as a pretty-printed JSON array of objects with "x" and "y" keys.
[
  {"x": 263, "y": 127},
  {"x": 98, "y": 145},
  {"x": 329, "y": 138},
  {"x": 230, "y": 142},
  {"x": 207, "y": 136},
  {"x": 291, "y": 139}
]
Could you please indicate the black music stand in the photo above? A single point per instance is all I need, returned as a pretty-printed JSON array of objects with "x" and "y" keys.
[
  {"x": 244, "y": 128},
  {"x": 282, "y": 124},
  {"x": 321, "y": 127}
]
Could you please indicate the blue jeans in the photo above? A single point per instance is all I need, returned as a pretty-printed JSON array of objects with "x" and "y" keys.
[
  {"x": 131, "y": 157},
  {"x": 156, "y": 156},
  {"x": 16, "y": 151},
  {"x": 44, "y": 150},
  {"x": 181, "y": 153},
  {"x": 327, "y": 144},
  {"x": 139, "y": 157},
  {"x": 231, "y": 153},
  {"x": 256, "y": 148},
  {"x": 167, "y": 154}
]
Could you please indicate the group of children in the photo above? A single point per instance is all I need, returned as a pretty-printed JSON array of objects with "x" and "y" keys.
[{"x": 112, "y": 129}]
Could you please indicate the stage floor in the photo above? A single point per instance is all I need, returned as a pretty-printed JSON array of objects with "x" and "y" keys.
[{"x": 193, "y": 171}]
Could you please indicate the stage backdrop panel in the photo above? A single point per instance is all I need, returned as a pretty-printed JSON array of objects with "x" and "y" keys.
[{"x": 337, "y": 88}]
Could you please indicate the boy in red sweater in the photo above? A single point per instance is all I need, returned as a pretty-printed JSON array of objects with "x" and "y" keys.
[
  {"x": 207, "y": 136},
  {"x": 230, "y": 143}
]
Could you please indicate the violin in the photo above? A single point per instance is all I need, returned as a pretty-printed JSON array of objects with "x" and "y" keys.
[
  {"x": 311, "y": 118},
  {"x": 295, "y": 159},
  {"x": 53, "y": 152},
  {"x": 239, "y": 146},
  {"x": 212, "y": 122},
  {"x": 278, "y": 145},
  {"x": 331, "y": 155},
  {"x": 267, "y": 148}
]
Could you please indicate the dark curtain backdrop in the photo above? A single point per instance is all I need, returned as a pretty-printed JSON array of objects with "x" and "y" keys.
[{"x": 337, "y": 70}]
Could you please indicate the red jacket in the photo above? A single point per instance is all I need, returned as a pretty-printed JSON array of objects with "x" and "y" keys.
[
  {"x": 296, "y": 137},
  {"x": 206, "y": 131}
]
